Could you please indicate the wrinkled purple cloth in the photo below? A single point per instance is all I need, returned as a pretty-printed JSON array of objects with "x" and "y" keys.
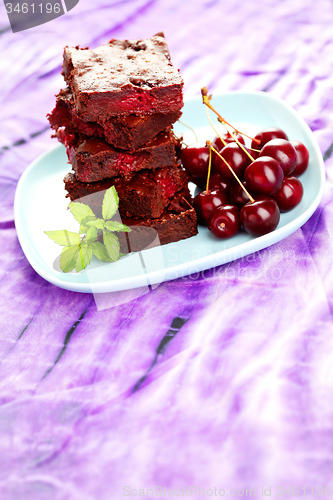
[{"x": 216, "y": 381}]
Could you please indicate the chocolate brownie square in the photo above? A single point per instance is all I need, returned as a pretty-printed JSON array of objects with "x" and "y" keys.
[
  {"x": 176, "y": 224},
  {"x": 144, "y": 194},
  {"x": 94, "y": 159},
  {"x": 124, "y": 132},
  {"x": 123, "y": 77},
  {"x": 64, "y": 115}
]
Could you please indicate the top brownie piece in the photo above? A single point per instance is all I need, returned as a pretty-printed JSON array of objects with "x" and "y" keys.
[{"x": 123, "y": 77}]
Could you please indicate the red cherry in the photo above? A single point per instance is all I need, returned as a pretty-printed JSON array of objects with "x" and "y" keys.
[
  {"x": 198, "y": 180},
  {"x": 254, "y": 154},
  {"x": 282, "y": 151},
  {"x": 264, "y": 175},
  {"x": 302, "y": 158},
  {"x": 267, "y": 135},
  {"x": 260, "y": 217},
  {"x": 224, "y": 221},
  {"x": 205, "y": 202},
  {"x": 237, "y": 195},
  {"x": 195, "y": 159},
  {"x": 237, "y": 159},
  {"x": 290, "y": 194},
  {"x": 216, "y": 182},
  {"x": 218, "y": 144}
]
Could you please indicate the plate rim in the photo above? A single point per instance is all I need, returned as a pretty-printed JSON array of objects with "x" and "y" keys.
[{"x": 183, "y": 269}]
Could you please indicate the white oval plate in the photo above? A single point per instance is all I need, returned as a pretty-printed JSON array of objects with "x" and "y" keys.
[{"x": 40, "y": 205}]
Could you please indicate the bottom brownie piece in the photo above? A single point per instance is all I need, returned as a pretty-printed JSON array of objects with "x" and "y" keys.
[
  {"x": 145, "y": 194},
  {"x": 177, "y": 223}
]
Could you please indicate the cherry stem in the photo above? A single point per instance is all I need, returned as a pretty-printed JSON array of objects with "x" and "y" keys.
[
  {"x": 230, "y": 133},
  {"x": 188, "y": 126},
  {"x": 209, "y": 166},
  {"x": 216, "y": 132},
  {"x": 205, "y": 100},
  {"x": 239, "y": 144},
  {"x": 189, "y": 204},
  {"x": 252, "y": 200}
]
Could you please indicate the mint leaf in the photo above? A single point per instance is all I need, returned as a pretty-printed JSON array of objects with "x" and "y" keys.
[
  {"x": 97, "y": 223},
  {"x": 88, "y": 219},
  {"x": 110, "y": 203},
  {"x": 80, "y": 211},
  {"x": 83, "y": 257},
  {"x": 113, "y": 225},
  {"x": 83, "y": 226},
  {"x": 64, "y": 238},
  {"x": 100, "y": 251},
  {"x": 91, "y": 234},
  {"x": 68, "y": 258},
  {"x": 78, "y": 250},
  {"x": 112, "y": 245}
]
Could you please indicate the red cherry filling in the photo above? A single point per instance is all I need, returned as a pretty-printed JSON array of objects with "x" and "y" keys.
[
  {"x": 260, "y": 217},
  {"x": 235, "y": 157},
  {"x": 264, "y": 175},
  {"x": 205, "y": 202},
  {"x": 302, "y": 158},
  {"x": 224, "y": 221},
  {"x": 290, "y": 194},
  {"x": 283, "y": 152},
  {"x": 267, "y": 135},
  {"x": 195, "y": 160}
]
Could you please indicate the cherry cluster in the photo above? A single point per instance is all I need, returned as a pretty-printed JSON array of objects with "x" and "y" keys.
[{"x": 246, "y": 187}]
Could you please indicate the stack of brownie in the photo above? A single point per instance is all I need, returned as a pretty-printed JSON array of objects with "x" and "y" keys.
[{"x": 115, "y": 118}]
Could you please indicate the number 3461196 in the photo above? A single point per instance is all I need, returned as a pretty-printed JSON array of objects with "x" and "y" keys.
[
  {"x": 302, "y": 491},
  {"x": 25, "y": 8}
]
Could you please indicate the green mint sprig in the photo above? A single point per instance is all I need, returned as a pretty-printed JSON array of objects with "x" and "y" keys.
[{"x": 80, "y": 247}]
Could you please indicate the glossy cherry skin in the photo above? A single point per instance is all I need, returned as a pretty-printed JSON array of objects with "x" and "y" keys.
[
  {"x": 289, "y": 195},
  {"x": 260, "y": 217},
  {"x": 302, "y": 158},
  {"x": 218, "y": 144},
  {"x": 205, "y": 202},
  {"x": 264, "y": 176},
  {"x": 198, "y": 180},
  {"x": 235, "y": 157},
  {"x": 237, "y": 195},
  {"x": 254, "y": 154},
  {"x": 283, "y": 152},
  {"x": 224, "y": 221},
  {"x": 195, "y": 159},
  {"x": 267, "y": 135},
  {"x": 217, "y": 182}
]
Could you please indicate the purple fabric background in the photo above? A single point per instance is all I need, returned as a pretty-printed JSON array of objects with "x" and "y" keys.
[{"x": 239, "y": 376}]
